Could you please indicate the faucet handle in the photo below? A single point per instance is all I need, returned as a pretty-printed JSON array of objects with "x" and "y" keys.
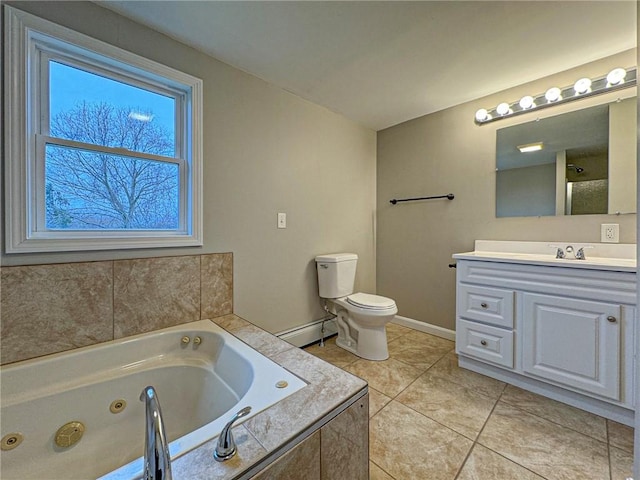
[
  {"x": 580, "y": 253},
  {"x": 226, "y": 447},
  {"x": 559, "y": 251}
]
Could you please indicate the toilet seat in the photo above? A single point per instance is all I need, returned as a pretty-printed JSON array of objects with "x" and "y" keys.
[{"x": 368, "y": 301}]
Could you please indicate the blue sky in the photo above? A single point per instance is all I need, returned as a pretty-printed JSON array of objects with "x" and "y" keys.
[{"x": 69, "y": 86}]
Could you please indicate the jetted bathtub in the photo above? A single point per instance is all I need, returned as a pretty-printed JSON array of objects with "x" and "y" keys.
[{"x": 202, "y": 375}]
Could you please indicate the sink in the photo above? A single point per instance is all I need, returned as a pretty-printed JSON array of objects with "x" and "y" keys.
[{"x": 601, "y": 256}]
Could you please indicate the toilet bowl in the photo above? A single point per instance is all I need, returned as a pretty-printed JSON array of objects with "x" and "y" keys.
[
  {"x": 360, "y": 317},
  {"x": 361, "y": 320}
]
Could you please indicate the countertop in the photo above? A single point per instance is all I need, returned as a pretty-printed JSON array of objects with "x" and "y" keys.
[
  {"x": 612, "y": 257},
  {"x": 267, "y": 434}
]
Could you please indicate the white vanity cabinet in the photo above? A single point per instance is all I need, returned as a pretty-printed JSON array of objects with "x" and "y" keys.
[
  {"x": 573, "y": 342},
  {"x": 561, "y": 330}
]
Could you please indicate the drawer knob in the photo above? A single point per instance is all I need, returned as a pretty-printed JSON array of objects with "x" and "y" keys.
[
  {"x": 483, "y": 343},
  {"x": 484, "y": 305},
  {"x": 612, "y": 319}
]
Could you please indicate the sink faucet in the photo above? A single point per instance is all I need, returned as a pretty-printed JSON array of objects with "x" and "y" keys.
[
  {"x": 157, "y": 464},
  {"x": 569, "y": 249}
]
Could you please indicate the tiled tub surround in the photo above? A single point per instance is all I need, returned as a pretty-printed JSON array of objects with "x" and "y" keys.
[
  {"x": 53, "y": 308},
  {"x": 203, "y": 376},
  {"x": 308, "y": 435}
]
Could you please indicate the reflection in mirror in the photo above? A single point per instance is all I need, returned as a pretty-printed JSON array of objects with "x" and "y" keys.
[{"x": 584, "y": 163}]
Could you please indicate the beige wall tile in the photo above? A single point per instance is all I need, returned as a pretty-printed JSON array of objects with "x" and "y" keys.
[
  {"x": 231, "y": 322},
  {"x": 154, "y": 293},
  {"x": 621, "y": 464},
  {"x": 53, "y": 308},
  {"x": 344, "y": 443},
  {"x": 216, "y": 285},
  {"x": 300, "y": 463}
]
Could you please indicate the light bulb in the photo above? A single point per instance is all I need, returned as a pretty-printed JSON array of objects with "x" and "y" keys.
[
  {"x": 482, "y": 115},
  {"x": 553, "y": 94},
  {"x": 582, "y": 86},
  {"x": 616, "y": 76},
  {"x": 526, "y": 102},
  {"x": 503, "y": 108}
]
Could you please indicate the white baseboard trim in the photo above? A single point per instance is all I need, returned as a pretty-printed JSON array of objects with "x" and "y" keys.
[
  {"x": 312, "y": 331},
  {"x": 309, "y": 333},
  {"x": 425, "y": 327}
]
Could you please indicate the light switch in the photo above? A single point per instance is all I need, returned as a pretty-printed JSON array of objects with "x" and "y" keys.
[{"x": 282, "y": 220}]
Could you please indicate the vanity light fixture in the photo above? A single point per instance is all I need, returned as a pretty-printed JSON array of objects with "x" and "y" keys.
[
  {"x": 582, "y": 86},
  {"x": 527, "y": 102},
  {"x": 553, "y": 94},
  {"x": 616, "y": 76},
  {"x": 482, "y": 115},
  {"x": 503, "y": 109},
  {"x": 616, "y": 79},
  {"x": 531, "y": 147}
]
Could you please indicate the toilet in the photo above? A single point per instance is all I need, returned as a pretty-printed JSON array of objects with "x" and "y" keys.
[{"x": 361, "y": 317}]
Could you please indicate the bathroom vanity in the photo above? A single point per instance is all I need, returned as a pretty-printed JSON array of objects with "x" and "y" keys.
[{"x": 561, "y": 327}]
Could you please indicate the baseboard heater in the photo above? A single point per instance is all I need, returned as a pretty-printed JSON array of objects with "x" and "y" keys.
[{"x": 309, "y": 333}]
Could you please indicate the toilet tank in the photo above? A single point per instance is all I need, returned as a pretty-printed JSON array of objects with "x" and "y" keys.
[{"x": 336, "y": 274}]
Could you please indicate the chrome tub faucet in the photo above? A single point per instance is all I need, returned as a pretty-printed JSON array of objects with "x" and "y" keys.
[
  {"x": 157, "y": 463},
  {"x": 226, "y": 447}
]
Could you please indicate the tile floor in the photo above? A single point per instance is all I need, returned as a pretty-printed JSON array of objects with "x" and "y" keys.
[{"x": 431, "y": 420}]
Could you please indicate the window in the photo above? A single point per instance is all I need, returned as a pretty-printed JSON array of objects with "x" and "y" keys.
[{"x": 103, "y": 147}]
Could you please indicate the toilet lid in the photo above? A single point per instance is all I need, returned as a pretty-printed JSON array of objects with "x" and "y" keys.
[{"x": 372, "y": 302}]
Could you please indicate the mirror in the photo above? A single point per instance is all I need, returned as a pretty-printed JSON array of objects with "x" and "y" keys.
[{"x": 586, "y": 164}]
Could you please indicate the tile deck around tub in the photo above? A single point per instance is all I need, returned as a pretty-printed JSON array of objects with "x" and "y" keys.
[{"x": 430, "y": 419}]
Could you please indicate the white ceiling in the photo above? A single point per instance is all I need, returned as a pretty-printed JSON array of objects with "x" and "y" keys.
[{"x": 384, "y": 62}]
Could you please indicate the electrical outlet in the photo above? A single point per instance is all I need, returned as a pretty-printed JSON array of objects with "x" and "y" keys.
[
  {"x": 282, "y": 220},
  {"x": 610, "y": 233}
]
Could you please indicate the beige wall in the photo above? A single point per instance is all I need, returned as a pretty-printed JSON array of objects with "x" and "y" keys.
[
  {"x": 446, "y": 152},
  {"x": 265, "y": 151}
]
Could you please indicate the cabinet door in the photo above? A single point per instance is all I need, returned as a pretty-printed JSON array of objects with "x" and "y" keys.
[{"x": 572, "y": 342}]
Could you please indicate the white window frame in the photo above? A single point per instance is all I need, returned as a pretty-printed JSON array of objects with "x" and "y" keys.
[{"x": 29, "y": 42}]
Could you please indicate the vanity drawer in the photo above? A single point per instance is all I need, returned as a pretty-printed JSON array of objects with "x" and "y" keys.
[
  {"x": 484, "y": 342},
  {"x": 488, "y": 305}
]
